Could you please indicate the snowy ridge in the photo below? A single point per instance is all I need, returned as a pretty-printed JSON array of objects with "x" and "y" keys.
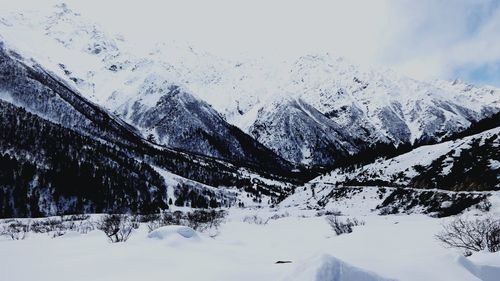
[{"x": 401, "y": 169}]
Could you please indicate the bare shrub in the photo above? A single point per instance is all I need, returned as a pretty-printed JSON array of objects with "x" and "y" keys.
[
  {"x": 153, "y": 221},
  {"x": 55, "y": 227},
  {"x": 16, "y": 230},
  {"x": 471, "y": 235},
  {"x": 76, "y": 217},
  {"x": 135, "y": 221},
  {"x": 199, "y": 220},
  {"x": 329, "y": 213},
  {"x": 279, "y": 216},
  {"x": 45, "y": 225},
  {"x": 203, "y": 220},
  {"x": 493, "y": 237},
  {"x": 117, "y": 227},
  {"x": 85, "y": 227},
  {"x": 165, "y": 218},
  {"x": 341, "y": 226},
  {"x": 254, "y": 219}
]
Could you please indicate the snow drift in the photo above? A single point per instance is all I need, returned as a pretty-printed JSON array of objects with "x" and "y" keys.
[
  {"x": 177, "y": 231},
  {"x": 329, "y": 268}
]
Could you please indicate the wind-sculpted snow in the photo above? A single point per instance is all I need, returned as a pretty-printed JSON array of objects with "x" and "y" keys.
[
  {"x": 483, "y": 272},
  {"x": 173, "y": 232},
  {"x": 298, "y": 247},
  {"x": 329, "y": 268}
]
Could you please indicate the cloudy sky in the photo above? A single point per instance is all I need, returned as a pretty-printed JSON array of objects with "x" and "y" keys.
[{"x": 423, "y": 39}]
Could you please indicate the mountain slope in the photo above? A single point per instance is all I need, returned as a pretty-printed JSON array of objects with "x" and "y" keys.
[
  {"x": 27, "y": 84},
  {"x": 469, "y": 163},
  {"x": 48, "y": 170},
  {"x": 378, "y": 106},
  {"x": 295, "y": 129},
  {"x": 142, "y": 91},
  {"x": 59, "y": 126}
]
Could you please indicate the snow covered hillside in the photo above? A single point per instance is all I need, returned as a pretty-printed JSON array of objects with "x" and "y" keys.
[
  {"x": 445, "y": 159},
  {"x": 440, "y": 180},
  {"x": 358, "y": 106},
  {"x": 61, "y": 153}
]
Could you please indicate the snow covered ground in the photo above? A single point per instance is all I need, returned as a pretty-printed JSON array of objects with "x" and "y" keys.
[{"x": 395, "y": 247}]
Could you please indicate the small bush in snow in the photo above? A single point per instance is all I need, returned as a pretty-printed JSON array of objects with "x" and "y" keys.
[
  {"x": 117, "y": 227},
  {"x": 45, "y": 225},
  {"x": 56, "y": 227},
  {"x": 16, "y": 230},
  {"x": 328, "y": 213},
  {"x": 77, "y": 217},
  {"x": 484, "y": 205},
  {"x": 203, "y": 220},
  {"x": 472, "y": 235},
  {"x": 199, "y": 220},
  {"x": 254, "y": 220},
  {"x": 279, "y": 216},
  {"x": 85, "y": 227},
  {"x": 341, "y": 226}
]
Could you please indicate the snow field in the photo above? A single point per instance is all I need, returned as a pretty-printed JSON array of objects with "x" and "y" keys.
[{"x": 396, "y": 247}]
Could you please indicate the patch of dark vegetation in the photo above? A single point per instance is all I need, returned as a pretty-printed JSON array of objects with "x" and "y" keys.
[
  {"x": 369, "y": 182},
  {"x": 338, "y": 194},
  {"x": 432, "y": 202},
  {"x": 470, "y": 170}
]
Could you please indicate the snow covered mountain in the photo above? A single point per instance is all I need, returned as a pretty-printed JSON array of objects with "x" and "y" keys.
[
  {"x": 61, "y": 154},
  {"x": 369, "y": 107},
  {"x": 142, "y": 91},
  {"x": 311, "y": 110},
  {"x": 185, "y": 111},
  {"x": 302, "y": 133},
  {"x": 469, "y": 163}
]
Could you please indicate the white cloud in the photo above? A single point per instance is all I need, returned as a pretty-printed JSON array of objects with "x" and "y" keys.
[{"x": 435, "y": 38}]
